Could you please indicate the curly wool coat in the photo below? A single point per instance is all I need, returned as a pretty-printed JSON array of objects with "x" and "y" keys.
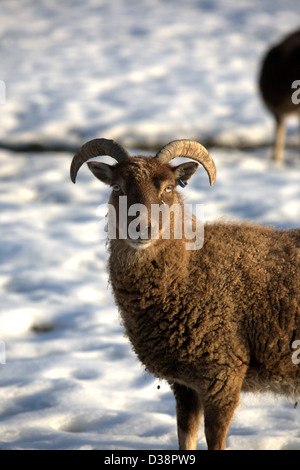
[{"x": 223, "y": 317}]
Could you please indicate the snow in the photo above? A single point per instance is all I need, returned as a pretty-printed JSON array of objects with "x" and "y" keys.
[
  {"x": 143, "y": 73},
  {"x": 76, "y": 70}
]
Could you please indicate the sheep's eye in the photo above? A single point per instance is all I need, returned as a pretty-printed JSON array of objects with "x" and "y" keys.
[
  {"x": 116, "y": 187},
  {"x": 168, "y": 189}
]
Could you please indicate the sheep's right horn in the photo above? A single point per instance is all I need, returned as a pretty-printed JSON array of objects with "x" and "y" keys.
[
  {"x": 94, "y": 148},
  {"x": 188, "y": 149}
]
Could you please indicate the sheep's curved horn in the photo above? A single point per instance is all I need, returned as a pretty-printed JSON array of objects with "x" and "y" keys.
[
  {"x": 188, "y": 149},
  {"x": 96, "y": 147}
]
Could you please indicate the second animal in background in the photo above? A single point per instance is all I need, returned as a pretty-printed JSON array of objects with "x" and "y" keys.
[{"x": 279, "y": 72}]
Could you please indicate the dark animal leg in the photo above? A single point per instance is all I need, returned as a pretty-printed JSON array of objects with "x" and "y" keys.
[{"x": 279, "y": 140}]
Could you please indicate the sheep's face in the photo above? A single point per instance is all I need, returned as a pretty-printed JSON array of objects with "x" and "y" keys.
[{"x": 143, "y": 190}]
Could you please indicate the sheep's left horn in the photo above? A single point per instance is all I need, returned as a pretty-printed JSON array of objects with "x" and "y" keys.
[
  {"x": 188, "y": 149},
  {"x": 94, "y": 148}
]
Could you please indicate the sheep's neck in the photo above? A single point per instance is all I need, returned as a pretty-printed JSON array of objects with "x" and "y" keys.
[
  {"x": 148, "y": 291},
  {"x": 148, "y": 275}
]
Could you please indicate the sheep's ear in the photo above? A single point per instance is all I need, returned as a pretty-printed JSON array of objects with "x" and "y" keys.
[
  {"x": 184, "y": 171},
  {"x": 102, "y": 171}
]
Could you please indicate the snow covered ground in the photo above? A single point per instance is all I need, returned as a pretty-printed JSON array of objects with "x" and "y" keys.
[{"x": 142, "y": 72}]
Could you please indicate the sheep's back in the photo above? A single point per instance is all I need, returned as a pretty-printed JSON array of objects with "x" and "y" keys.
[{"x": 256, "y": 271}]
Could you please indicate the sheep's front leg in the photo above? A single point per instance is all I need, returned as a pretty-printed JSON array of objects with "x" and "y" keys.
[
  {"x": 189, "y": 414},
  {"x": 217, "y": 421},
  {"x": 219, "y": 409}
]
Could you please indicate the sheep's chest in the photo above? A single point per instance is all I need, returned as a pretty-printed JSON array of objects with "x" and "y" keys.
[{"x": 155, "y": 318}]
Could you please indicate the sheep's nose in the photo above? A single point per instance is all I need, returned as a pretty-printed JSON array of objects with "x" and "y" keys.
[
  {"x": 139, "y": 229},
  {"x": 145, "y": 231},
  {"x": 141, "y": 238}
]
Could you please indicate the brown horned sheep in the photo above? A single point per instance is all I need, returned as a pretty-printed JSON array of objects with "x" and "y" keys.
[{"x": 213, "y": 321}]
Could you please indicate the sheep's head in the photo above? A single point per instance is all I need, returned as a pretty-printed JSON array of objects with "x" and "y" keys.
[{"x": 143, "y": 183}]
